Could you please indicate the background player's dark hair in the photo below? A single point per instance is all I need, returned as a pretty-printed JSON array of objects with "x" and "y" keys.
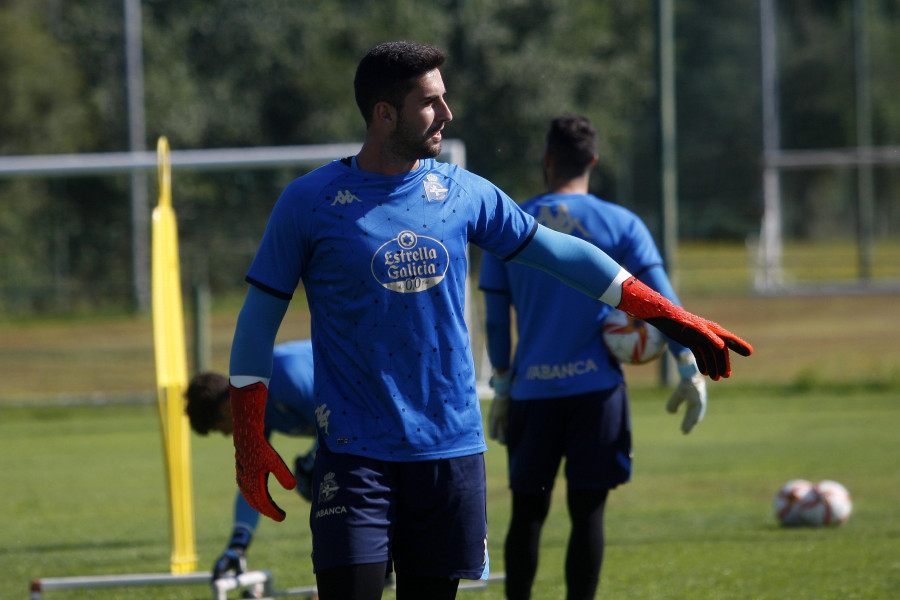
[
  {"x": 572, "y": 144},
  {"x": 206, "y": 393},
  {"x": 388, "y": 72}
]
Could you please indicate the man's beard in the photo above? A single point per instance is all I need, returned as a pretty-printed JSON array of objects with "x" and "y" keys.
[{"x": 407, "y": 144}]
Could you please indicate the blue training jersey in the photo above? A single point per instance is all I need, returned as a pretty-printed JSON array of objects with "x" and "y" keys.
[
  {"x": 560, "y": 351},
  {"x": 383, "y": 263}
]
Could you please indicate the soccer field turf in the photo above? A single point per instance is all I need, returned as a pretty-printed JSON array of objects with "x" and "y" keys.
[
  {"x": 84, "y": 487},
  {"x": 84, "y": 494}
]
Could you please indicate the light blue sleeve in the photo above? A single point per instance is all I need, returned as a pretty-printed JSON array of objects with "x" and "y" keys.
[
  {"x": 254, "y": 335},
  {"x": 574, "y": 261}
]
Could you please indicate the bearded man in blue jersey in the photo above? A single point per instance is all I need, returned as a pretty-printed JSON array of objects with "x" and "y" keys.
[
  {"x": 582, "y": 415},
  {"x": 378, "y": 241}
]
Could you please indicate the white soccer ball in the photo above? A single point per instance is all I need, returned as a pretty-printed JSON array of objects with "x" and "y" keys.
[
  {"x": 631, "y": 340},
  {"x": 789, "y": 499},
  {"x": 828, "y": 505}
]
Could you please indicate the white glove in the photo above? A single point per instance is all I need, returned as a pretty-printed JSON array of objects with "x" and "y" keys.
[
  {"x": 692, "y": 390},
  {"x": 498, "y": 417}
]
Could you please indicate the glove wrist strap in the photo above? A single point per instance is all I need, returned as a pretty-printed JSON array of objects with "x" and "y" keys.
[
  {"x": 642, "y": 302},
  {"x": 248, "y": 409}
]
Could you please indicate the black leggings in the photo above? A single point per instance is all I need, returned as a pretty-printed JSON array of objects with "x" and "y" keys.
[
  {"x": 366, "y": 582},
  {"x": 584, "y": 555}
]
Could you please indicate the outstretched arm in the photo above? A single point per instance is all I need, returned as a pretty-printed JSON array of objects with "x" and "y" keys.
[
  {"x": 576, "y": 262},
  {"x": 592, "y": 271}
]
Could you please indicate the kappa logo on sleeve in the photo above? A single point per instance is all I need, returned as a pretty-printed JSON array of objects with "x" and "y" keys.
[
  {"x": 345, "y": 197},
  {"x": 562, "y": 221},
  {"x": 410, "y": 263},
  {"x": 322, "y": 414}
]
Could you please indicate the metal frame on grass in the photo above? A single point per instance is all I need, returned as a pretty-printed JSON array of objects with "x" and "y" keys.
[
  {"x": 259, "y": 582},
  {"x": 47, "y": 584}
]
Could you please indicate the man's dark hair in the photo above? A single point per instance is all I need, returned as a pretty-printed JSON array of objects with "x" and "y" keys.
[
  {"x": 572, "y": 144},
  {"x": 387, "y": 73},
  {"x": 205, "y": 395}
]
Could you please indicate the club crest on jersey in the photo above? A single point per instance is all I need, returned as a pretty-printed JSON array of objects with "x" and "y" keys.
[
  {"x": 410, "y": 263},
  {"x": 434, "y": 191}
]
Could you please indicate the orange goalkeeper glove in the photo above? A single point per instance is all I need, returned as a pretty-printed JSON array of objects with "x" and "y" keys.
[
  {"x": 708, "y": 341},
  {"x": 254, "y": 456}
]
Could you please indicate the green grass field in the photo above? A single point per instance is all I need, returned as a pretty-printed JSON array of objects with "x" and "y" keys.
[
  {"x": 84, "y": 488},
  {"x": 84, "y": 495}
]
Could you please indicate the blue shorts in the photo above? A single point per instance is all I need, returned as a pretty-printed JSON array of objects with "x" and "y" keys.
[
  {"x": 428, "y": 517},
  {"x": 593, "y": 432}
]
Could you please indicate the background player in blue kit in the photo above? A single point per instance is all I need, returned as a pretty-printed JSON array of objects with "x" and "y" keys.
[
  {"x": 379, "y": 242},
  {"x": 583, "y": 416},
  {"x": 289, "y": 411}
]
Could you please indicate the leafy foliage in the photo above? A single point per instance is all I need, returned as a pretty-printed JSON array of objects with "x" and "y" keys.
[{"x": 238, "y": 73}]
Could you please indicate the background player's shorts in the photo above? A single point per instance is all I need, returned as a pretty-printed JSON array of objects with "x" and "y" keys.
[
  {"x": 427, "y": 517},
  {"x": 593, "y": 432}
]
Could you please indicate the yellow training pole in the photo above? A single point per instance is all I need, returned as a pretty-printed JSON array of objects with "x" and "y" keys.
[{"x": 171, "y": 368}]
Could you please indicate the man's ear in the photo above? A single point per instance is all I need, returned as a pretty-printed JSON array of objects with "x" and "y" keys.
[{"x": 385, "y": 114}]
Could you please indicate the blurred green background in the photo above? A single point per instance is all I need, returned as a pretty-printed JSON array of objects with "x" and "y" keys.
[{"x": 237, "y": 74}]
